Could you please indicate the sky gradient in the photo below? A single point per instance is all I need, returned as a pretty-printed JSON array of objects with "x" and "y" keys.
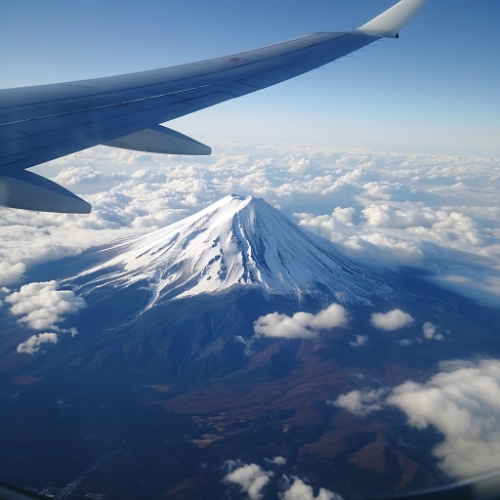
[{"x": 433, "y": 91}]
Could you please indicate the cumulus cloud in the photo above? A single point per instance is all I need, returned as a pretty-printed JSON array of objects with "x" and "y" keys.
[
  {"x": 41, "y": 305},
  {"x": 405, "y": 342},
  {"x": 405, "y": 216},
  {"x": 301, "y": 325},
  {"x": 430, "y": 332},
  {"x": 251, "y": 478},
  {"x": 361, "y": 340},
  {"x": 3, "y": 292},
  {"x": 302, "y": 491},
  {"x": 392, "y": 320},
  {"x": 301, "y": 166},
  {"x": 344, "y": 215},
  {"x": 281, "y": 325},
  {"x": 34, "y": 343},
  {"x": 10, "y": 273},
  {"x": 360, "y": 403},
  {"x": 377, "y": 190},
  {"x": 74, "y": 175},
  {"x": 463, "y": 403}
]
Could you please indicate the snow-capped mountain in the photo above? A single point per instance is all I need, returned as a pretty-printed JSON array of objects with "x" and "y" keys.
[{"x": 236, "y": 241}]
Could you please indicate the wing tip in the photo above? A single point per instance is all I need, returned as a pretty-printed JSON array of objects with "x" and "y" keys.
[{"x": 390, "y": 22}]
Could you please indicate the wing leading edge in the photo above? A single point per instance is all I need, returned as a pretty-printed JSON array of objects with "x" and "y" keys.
[{"x": 38, "y": 124}]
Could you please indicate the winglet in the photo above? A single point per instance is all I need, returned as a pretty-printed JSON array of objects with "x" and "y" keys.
[{"x": 390, "y": 22}]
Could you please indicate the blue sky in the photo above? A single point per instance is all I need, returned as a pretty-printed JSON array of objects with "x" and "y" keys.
[{"x": 433, "y": 91}]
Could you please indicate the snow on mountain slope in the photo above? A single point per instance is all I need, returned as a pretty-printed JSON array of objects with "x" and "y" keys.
[{"x": 234, "y": 242}]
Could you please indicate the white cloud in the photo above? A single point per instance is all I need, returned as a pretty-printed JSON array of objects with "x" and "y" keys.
[
  {"x": 281, "y": 325},
  {"x": 361, "y": 340},
  {"x": 75, "y": 175},
  {"x": 301, "y": 325},
  {"x": 429, "y": 331},
  {"x": 405, "y": 342},
  {"x": 277, "y": 460},
  {"x": 408, "y": 215},
  {"x": 392, "y": 320},
  {"x": 3, "y": 292},
  {"x": 302, "y": 491},
  {"x": 41, "y": 305},
  {"x": 251, "y": 478},
  {"x": 10, "y": 273},
  {"x": 377, "y": 190},
  {"x": 248, "y": 343},
  {"x": 343, "y": 215},
  {"x": 34, "y": 343},
  {"x": 463, "y": 403},
  {"x": 300, "y": 166},
  {"x": 360, "y": 403}
]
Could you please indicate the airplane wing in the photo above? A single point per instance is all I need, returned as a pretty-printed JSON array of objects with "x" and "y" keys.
[{"x": 41, "y": 123}]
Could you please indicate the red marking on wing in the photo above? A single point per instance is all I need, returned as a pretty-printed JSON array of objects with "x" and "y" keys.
[{"x": 234, "y": 59}]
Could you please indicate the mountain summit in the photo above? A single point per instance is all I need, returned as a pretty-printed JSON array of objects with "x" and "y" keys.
[{"x": 234, "y": 242}]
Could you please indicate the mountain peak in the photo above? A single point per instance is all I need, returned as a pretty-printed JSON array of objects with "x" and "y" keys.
[
  {"x": 233, "y": 203},
  {"x": 236, "y": 241}
]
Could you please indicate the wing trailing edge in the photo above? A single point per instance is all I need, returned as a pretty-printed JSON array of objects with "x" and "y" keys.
[{"x": 390, "y": 22}]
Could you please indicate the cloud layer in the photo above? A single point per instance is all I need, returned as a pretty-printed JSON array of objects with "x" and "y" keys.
[{"x": 385, "y": 209}]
